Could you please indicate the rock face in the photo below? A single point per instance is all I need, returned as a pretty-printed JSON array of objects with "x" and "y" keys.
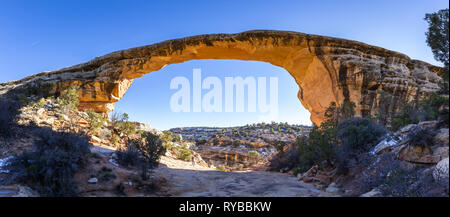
[{"x": 326, "y": 69}]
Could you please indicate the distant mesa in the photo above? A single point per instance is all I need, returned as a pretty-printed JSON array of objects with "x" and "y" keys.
[{"x": 326, "y": 69}]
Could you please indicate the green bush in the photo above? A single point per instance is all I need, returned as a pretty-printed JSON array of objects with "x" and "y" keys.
[
  {"x": 407, "y": 115},
  {"x": 51, "y": 166},
  {"x": 359, "y": 134},
  {"x": 184, "y": 154},
  {"x": 434, "y": 107},
  {"x": 316, "y": 149},
  {"x": 167, "y": 139},
  {"x": 144, "y": 152},
  {"x": 253, "y": 156},
  {"x": 221, "y": 168},
  {"x": 69, "y": 97},
  {"x": 121, "y": 124},
  {"x": 128, "y": 156},
  {"x": 96, "y": 121},
  {"x": 9, "y": 111},
  {"x": 421, "y": 136},
  {"x": 115, "y": 139}
]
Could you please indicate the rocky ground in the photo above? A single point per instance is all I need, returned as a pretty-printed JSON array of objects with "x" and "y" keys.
[
  {"x": 177, "y": 178},
  {"x": 185, "y": 180},
  {"x": 104, "y": 177}
]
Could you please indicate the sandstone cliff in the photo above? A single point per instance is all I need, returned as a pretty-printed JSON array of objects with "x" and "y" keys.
[{"x": 326, "y": 69}]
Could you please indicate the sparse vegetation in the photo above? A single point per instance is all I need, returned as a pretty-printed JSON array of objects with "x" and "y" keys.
[
  {"x": 51, "y": 166},
  {"x": 96, "y": 121},
  {"x": 184, "y": 153},
  {"x": 142, "y": 152},
  {"x": 421, "y": 136},
  {"x": 221, "y": 168},
  {"x": 437, "y": 38},
  {"x": 69, "y": 98},
  {"x": 253, "y": 156},
  {"x": 8, "y": 117}
]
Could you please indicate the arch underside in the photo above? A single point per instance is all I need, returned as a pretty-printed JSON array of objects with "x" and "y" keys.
[{"x": 325, "y": 69}]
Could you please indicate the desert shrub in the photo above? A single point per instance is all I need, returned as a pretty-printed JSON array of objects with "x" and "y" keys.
[
  {"x": 115, "y": 139},
  {"x": 253, "y": 156},
  {"x": 69, "y": 98},
  {"x": 167, "y": 139},
  {"x": 407, "y": 115},
  {"x": 318, "y": 148},
  {"x": 39, "y": 103},
  {"x": 420, "y": 136},
  {"x": 401, "y": 182},
  {"x": 184, "y": 153},
  {"x": 128, "y": 156},
  {"x": 121, "y": 124},
  {"x": 149, "y": 149},
  {"x": 359, "y": 134},
  {"x": 96, "y": 121},
  {"x": 386, "y": 173},
  {"x": 201, "y": 142},
  {"x": 9, "y": 111},
  {"x": 435, "y": 107},
  {"x": 374, "y": 174},
  {"x": 221, "y": 168},
  {"x": 51, "y": 166},
  {"x": 288, "y": 159}
]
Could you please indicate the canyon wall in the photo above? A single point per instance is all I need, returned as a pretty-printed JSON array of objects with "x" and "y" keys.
[{"x": 326, "y": 69}]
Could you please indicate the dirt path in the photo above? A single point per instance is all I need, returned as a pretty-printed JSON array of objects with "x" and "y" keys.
[{"x": 185, "y": 180}]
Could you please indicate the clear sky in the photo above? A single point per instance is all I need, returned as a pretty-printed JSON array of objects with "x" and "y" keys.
[{"x": 44, "y": 35}]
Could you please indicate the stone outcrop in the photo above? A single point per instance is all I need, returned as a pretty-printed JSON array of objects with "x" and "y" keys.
[{"x": 326, "y": 69}]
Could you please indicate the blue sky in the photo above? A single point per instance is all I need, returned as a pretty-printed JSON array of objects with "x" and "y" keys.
[{"x": 37, "y": 36}]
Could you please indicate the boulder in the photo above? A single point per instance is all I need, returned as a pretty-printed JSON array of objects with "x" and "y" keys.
[
  {"x": 405, "y": 130},
  {"x": 332, "y": 188},
  {"x": 95, "y": 139},
  {"x": 441, "y": 151},
  {"x": 428, "y": 124},
  {"x": 440, "y": 172},
  {"x": 420, "y": 154},
  {"x": 387, "y": 144},
  {"x": 441, "y": 138},
  {"x": 373, "y": 193},
  {"x": 40, "y": 111}
]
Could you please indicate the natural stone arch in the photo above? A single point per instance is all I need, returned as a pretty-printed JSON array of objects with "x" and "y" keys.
[{"x": 326, "y": 69}]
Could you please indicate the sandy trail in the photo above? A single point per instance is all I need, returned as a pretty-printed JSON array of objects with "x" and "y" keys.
[{"x": 185, "y": 180}]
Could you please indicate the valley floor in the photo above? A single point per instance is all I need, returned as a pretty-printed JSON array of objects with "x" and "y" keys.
[{"x": 185, "y": 180}]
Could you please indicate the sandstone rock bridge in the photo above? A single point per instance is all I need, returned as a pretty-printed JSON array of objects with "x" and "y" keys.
[{"x": 326, "y": 69}]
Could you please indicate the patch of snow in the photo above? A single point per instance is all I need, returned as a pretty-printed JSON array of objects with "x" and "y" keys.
[
  {"x": 389, "y": 141},
  {"x": 4, "y": 162},
  {"x": 114, "y": 162}
]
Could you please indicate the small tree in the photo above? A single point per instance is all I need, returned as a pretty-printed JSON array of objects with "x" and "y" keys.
[
  {"x": 254, "y": 156},
  {"x": 437, "y": 38},
  {"x": 69, "y": 98},
  {"x": 150, "y": 149},
  {"x": 96, "y": 121},
  {"x": 184, "y": 153}
]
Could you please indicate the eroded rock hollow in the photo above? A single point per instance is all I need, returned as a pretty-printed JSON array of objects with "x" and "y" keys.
[{"x": 326, "y": 69}]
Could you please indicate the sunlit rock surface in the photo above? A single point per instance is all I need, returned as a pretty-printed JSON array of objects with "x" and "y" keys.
[{"x": 326, "y": 69}]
